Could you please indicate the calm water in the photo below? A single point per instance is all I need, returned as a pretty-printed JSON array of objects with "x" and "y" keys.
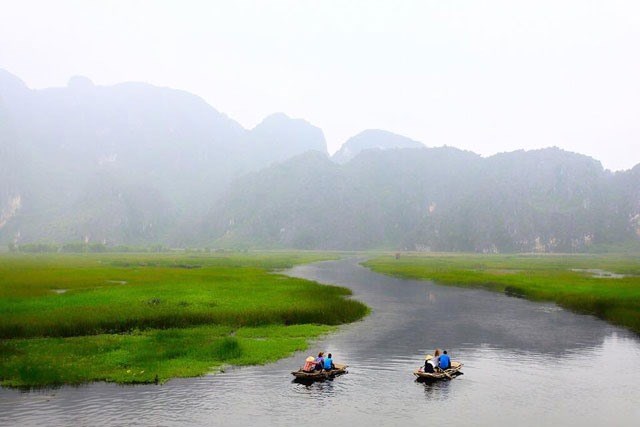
[{"x": 525, "y": 364}]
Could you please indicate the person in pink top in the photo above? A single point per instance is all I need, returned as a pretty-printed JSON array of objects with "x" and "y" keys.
[{"x": 309, "y": 364}]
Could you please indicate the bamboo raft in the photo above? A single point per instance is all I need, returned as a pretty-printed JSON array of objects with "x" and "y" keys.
[
  {"x": 320, "y": 375},
  {"x": 446, "y": 374}
]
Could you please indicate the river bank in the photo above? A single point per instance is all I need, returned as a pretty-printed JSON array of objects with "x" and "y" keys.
[{"x": 606, "y": 286}]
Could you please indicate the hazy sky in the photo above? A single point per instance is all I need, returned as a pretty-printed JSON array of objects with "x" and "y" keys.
[{"x": 487, "y": 76}]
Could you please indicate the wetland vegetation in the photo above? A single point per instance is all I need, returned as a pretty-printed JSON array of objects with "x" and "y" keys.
[
  {"x": 136, "y": 318},
  {"x": 582, "y": 283}
]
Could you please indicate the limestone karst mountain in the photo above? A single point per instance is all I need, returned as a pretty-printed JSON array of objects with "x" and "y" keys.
[
  {"x": 128, "y": 162},
  {"x": 138, "y": 164},
  {"x": 439, "y": 199}
]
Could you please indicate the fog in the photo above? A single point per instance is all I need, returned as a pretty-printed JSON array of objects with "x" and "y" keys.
[
  {"x": 484, "y": 76},
  {"x": 466, "y": 126}
]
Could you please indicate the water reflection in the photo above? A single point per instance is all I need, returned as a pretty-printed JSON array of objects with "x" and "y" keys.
[
  {"x": 447, "y": 317},
  {"x": 438, "y": 391},
  {"x": 524, "y": 364}
]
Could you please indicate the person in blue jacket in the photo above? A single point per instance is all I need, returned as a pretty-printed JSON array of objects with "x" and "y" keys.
[
  {"x": 444, "y": 362},
  {"x": 328, "y": 363}
]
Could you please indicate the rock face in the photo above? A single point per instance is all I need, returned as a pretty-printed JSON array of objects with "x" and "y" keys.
[
  {"x": 372, "y": 139},
  {"x": 11, "y": 163}
]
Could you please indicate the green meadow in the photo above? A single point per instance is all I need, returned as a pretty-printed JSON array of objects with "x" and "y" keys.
[
  {"x": 582, "y": 283},
  {"x": 127, "y": 318}
]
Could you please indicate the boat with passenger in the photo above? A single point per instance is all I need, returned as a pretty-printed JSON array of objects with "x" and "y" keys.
[
  {"x": 301, "y": 374},
  {"x": 320, "y": 368},
  {"x": 438, "y": 374}
]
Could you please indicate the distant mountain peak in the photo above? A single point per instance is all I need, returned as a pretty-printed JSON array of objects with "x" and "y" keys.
[
  {"x": 280, "y": 119},
  {"x": 276, "y": 117},
  {"x": 373, "y": 139},
  {"x": 10, "y": 82},
  {"x": 279, "y": 136},
  {"x": 548, "y": 155},
  {"x": 80, "y": 83}
]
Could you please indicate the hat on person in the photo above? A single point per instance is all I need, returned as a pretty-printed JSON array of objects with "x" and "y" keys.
[{"x": 310, "y": 359}]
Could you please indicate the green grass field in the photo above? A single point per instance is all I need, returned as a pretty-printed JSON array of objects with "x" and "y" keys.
[
  {"x": 69, "y": 319},
  {"x": 535, "y": 277}
]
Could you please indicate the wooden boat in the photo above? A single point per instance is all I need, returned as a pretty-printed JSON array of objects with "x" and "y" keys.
[
  {"x": 320, "y": 375},
  {"x": 447, "y": 374}
]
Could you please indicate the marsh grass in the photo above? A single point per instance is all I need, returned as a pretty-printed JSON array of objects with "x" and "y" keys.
[
  {"x": 146, "y": 318},
  {"x": 147, "y": 356},
  {"x": 535, "y": 277},
  {"x": 115, "y": 294}
]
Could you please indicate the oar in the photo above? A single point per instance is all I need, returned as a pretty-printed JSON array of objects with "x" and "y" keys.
[{"x": 446, "y": 374}]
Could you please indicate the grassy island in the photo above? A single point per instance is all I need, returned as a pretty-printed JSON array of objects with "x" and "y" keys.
[
  {"x": 607, "y": 286},
  {"x": 70, "y": 319}
]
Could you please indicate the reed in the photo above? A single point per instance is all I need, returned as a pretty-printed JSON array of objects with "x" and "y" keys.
[{"x": 150, "y": 356}]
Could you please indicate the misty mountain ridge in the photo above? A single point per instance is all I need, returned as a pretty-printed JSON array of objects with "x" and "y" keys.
[
  {"x": 441, "y": 199},
  {"x": 62, "y": 145},
  {"x": 134, "y": 163},
  {"x": 372, "y": 139}
]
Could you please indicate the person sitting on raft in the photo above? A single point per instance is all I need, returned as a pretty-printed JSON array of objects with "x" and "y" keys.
[
  {"x": 320, "y": 361},
  {"x": 445, "y": 361},
  {"x": 328, "y": 363},
  {"x": 432, "y": 362},
  {"x": 436, "y": 358},
  {"x": 429, "y": 365},
  {"x": 309, "y": 364}
]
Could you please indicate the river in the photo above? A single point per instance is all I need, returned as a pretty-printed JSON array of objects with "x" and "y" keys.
[{"x": 525, "y": 363}]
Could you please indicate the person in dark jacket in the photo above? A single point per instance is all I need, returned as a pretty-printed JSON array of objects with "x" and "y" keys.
[
  {"x": 320, "y": 361},
  {"x": 428, "y": 365}
]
